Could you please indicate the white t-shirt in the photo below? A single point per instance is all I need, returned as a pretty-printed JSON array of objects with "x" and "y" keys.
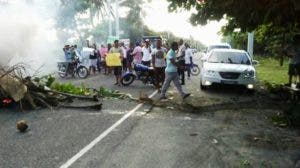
[
  {"x": 181, "y": 50},
  {"x": 146, "y": 54},
  {"x": 124, "y": 52},
  {"x": 159, "y": 57},
  {"x": 188, "y": 55}
]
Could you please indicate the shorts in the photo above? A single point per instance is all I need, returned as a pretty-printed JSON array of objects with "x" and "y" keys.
[
  {"x": 93, "y": 63},
  {"x": 147, "y": 63},
  {"x": 118, "y": 70}
]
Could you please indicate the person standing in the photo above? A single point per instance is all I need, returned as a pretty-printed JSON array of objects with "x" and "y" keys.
[
  {"x": 103, "y": 53},
  {"x": 117, "y": 69},
  {"x": 188, "y": 57},
  {"x": 137, "y": 54},
  {"x": 93, "y": 60},
  {"x": 109, "y": 69},
  {"x": 97, "y": 54},
  {"x": 130, "y": 56},
  {"x": 124, "y": 61},
  {"x": 181, "y": 61},
  {"x": 293, "y": 52},
  {"x": 146, "y": 60},
  {"x": 159, "y": 64},
  {"x": 77, "y": 52},
  {"x": 172, "y": 74}
]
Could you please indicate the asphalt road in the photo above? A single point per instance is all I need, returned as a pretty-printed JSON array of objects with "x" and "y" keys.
[{"x": 164, "y": 137}]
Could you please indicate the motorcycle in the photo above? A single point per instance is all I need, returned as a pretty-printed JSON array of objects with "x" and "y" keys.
[
  {"x": 72, "y": 68},
  {"x": 143, "y": 73},
  {"x": 195, "y": 70}
]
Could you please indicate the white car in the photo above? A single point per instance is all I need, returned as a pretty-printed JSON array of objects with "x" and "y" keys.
[
  {"x": 210, "y": 48},
  {"x": 228, "y": 66},
  {"x": 218, "y": 46}
]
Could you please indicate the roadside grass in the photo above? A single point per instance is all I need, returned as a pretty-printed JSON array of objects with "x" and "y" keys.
[{"x": 270, "y": 71}]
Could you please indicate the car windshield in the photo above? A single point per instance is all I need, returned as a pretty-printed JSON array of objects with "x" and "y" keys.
[
  {"x": 218, "y": 47},
  {"x": 229, "y": 58}
]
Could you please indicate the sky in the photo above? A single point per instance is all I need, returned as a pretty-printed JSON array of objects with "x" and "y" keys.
[{"x": 159, "y": 19}]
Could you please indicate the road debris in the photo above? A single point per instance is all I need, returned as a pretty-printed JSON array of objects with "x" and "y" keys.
[
  {"x": 187, "y": 118},
  {"x": 214, "y": 141},
  {"x": 22, "y": 126},
  {"x": 170, "y": 107},
  {"x": 193, "y": 134}
]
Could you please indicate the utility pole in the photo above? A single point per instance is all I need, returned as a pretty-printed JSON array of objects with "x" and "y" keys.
[
  {"x": 109, "y": 19},
  {"x": 117, "y": 19},
  {"x": 250, "y": 44}
]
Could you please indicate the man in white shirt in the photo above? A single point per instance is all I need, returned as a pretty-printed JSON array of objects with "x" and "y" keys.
[
  {"x": 124, "y": 62},
  {"x": 188, "y": 57},
  {"x": 146, "y": 60},
  {"x": 181, "y": 61}
]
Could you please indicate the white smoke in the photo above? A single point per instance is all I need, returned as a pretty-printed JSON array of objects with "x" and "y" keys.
[{"x": 27, "y": 35}]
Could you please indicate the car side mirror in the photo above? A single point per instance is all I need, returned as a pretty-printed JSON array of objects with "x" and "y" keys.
[{"x": 255, "y": 62}]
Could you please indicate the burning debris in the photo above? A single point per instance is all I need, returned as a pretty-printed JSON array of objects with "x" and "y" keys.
[{"x": 28, "y": 93}]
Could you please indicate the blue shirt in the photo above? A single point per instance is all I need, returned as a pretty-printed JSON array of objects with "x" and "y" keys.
[
  {"x": 170, "y": 66},
  {"x": 68, "y": 56}
]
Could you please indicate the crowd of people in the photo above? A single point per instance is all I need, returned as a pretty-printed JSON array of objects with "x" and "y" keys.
[{"x": 169, "y": 63}]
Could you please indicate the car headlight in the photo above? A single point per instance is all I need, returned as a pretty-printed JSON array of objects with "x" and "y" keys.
[
  {"x": 249, "y": 74},
  {"x": 210, "y": 73}
]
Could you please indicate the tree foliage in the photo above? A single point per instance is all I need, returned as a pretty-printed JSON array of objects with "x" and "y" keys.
[
  {"x": 131, "y": 24},
  {"x": 246, "y": 14},
  {"x": 269, "y": 40}
]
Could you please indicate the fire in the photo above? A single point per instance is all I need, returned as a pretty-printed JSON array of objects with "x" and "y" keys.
[{"x": 6, "y": 101}]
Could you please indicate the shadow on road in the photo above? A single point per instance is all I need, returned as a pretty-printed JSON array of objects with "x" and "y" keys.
[{"x": 228, "y": 89}]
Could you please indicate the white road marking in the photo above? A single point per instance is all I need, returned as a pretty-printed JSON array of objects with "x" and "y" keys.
[{"x": 101, "y": 136}]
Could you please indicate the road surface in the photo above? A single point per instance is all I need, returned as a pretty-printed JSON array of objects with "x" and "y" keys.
[{"x": 231, "y": 135}]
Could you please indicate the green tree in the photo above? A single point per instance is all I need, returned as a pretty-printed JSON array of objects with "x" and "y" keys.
[
  {"x": 274, "y": 22},
  {"x": 246, "y": 14}
]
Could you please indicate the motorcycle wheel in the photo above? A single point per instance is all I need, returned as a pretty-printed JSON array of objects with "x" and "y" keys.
[
  {"x": 62, "y": 71},
  {"x": 82, "y": 72},
  {"x": 195, "y": 70},
  {"x": 127, "y": 80}
]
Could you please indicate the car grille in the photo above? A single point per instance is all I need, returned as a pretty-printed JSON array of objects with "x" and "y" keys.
[{"x": 229, "y": 75}]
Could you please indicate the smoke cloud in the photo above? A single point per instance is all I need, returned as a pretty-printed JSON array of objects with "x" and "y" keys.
[{"x": 27, "y": 35}]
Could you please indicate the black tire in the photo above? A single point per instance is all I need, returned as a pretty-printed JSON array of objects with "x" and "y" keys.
[
  {"x": 195, "y": 71},
  {"x": 82, "y": 72},
  {"x": 202, "y": 87},
  {"x": 251, "y": 91},
  {"x": 62, "y": 71},
  {"x": 127, "y": 80}
]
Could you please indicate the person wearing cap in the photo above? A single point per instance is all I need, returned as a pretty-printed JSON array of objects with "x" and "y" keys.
[
  {"x": 146, "y": 60},
  {"x": 67, "y": 52}
]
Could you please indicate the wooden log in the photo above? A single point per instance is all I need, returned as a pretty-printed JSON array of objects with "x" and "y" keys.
[{"x": 97, "y": 106}]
